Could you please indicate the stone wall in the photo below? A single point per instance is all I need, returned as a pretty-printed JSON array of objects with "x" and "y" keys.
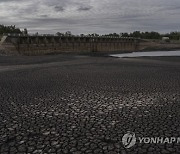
[{"x": 40, "y": 45}]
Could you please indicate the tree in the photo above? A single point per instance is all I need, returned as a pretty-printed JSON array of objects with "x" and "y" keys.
[
  {"x": 59, "y": 34},
  {"x": 9, "y": 29},
  {"x": 68, "y": 33},
  {"x": 124, "y": 34},
  {"x": 82, "y": 35},
  {"x": 25, "y": 31}
]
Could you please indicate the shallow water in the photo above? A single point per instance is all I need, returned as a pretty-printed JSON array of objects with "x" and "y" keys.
[{"x": 148, "y": 54}]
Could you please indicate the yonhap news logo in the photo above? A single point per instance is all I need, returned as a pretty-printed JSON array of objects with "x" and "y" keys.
[{"x": 130, "y": 139}]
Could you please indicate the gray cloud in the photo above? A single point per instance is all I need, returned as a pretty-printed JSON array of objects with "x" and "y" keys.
[
  {"x": 88, "y": 16},
  {"x": 6, "y": 0},
  {"x": 59, "y": 8},
  {"x": 84, "y": 8},
  {"x": 44, "y": 16}
]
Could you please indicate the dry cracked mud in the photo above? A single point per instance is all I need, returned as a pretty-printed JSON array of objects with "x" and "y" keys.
[{"x": 70, "y": 104}]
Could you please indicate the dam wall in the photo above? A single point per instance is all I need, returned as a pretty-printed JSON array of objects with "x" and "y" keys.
[{"x": 40, "y": 45}]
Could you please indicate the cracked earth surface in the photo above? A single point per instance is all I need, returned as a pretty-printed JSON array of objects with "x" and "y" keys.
[{"x": 70, "y": 104}]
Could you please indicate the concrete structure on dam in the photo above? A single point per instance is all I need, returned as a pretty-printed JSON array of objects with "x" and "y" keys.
[{"x": 47, "y": 44}]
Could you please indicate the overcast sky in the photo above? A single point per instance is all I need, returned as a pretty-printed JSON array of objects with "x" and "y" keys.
[{"x": 89, "y": 16}]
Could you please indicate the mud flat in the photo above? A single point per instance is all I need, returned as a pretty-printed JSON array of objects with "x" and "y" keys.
[{"x": 77, "y": 104}]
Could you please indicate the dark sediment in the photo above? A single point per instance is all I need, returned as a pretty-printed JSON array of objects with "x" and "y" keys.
[{"x": 82, "y": 104}]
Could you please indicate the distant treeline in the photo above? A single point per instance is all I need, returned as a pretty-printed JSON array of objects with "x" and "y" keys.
[
  {"x": 9, "y": 29},
  {"x": 152, "y": 35},
  {"x": 137, "y": 34}
]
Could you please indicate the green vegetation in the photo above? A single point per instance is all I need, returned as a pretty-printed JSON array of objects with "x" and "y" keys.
[
  {"x": 152, "y": 35},
  {"x": 143, "y": 35},
  {"x": 137, "y": 34},
  {"x": 9, "y": 29},
  {"x": 173, "y": 35}
]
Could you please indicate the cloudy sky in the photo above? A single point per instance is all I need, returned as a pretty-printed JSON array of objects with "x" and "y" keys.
[{"x": 89, "y": 16}]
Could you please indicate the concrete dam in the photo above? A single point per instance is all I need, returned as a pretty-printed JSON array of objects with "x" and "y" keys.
[{"x": 40, "y": 45}]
